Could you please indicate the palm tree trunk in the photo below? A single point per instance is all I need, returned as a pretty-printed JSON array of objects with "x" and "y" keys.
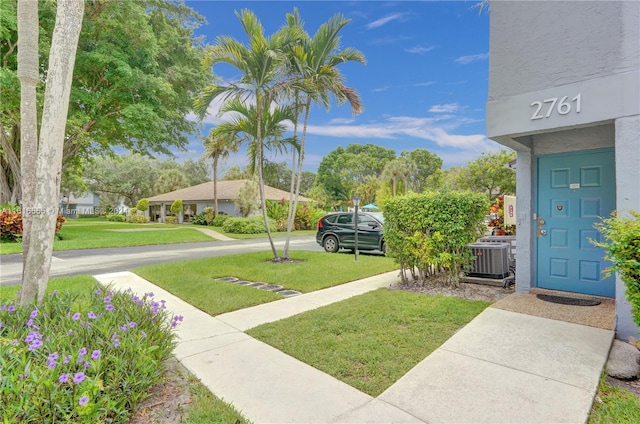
[
  {"x": 215, "y": 186},
  {"x": 296, "y": 175},
  {"x": 260, "y": 153}
]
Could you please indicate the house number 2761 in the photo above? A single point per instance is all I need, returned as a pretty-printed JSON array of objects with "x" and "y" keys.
[{"x": 563, "y": 106}]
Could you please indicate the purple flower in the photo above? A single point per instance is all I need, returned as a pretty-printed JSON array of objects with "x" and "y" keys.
[
  {"x": 82, "y": 351},
  {"x": 109, "y": 307},
  {"x": 98, "y": 292},
  {"x": 143, "y": 334},
  {"x": 11, "y": 308},
  {"x": 78, "y": 377},
  {"x": 76, "y": 316},
  {"x": 51, "y": 364},
  {"x": 116, "y": 342},
  {"x": 83, "y": 401},
  {"x": 35, "y": 345},
  {"x": 66, "y": 359},
  {"x": 30, "y": 323},
  {"x": 132, "y": 324},
  {"x": 95, "y": 354},
  {"x": 107, "y": 299},
  {"x": 86, "y": 365},
  {"x": 70, "y": 332},
  {"x": 91, "y": 315},
  {"x": 34, "y": 314},
  {"x": 63, "y": 378},
  {"x": 150, "y": 294},
  {"x": 56, "y": 292},
  {"x": 3, "y": 308},
  {"x": 53, "y": 356}
]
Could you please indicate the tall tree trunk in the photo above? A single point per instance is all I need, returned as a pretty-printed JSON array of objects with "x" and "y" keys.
[
  {"x": 294, "y": 207},
  {"x": 28, "y": 31},
  {"x": 215, "y": 185},
  {"x": 64, "y": 44},
  {"x": 260, "y": 153}
]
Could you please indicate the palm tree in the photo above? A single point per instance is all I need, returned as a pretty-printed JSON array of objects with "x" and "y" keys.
[
  {"x": 409, "y": 170},
  {"x": 218, "y": 145},
  {"x": 392, "y": 171},
  {"x": 260, "y": 64},
  {"x": 313, "y": 66}
]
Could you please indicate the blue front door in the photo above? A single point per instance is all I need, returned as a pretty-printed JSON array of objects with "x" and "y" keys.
[{"x": 573, "y": 191}]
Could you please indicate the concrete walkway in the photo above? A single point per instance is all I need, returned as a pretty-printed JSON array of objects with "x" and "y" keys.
[
  {"x": 503, "y": 367},
  {"x": 211, "y": 233}
]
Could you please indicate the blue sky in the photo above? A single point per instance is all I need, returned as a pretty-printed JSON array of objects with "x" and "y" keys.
[{"x": 424, "y": 84}]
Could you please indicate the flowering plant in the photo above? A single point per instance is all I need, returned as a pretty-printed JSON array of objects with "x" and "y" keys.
[
  {"x": 497, "y": 214},
  {"x": 87, "y": 357}
]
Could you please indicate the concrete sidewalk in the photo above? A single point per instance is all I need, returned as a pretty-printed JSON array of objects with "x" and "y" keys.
[{"x": 503, "y": 367}]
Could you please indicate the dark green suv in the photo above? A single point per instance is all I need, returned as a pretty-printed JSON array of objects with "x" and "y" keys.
[{"x": 336, "y": 231}]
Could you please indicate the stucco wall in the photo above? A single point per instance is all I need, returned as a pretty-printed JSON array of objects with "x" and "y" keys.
[
  {"x": 593, "y": 137},
  {"x": 543, "y": 44}
]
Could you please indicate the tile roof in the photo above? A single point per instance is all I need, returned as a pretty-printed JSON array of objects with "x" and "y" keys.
[{"x": 227, "y": 190}]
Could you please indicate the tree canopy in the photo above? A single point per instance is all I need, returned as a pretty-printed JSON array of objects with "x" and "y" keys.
[{"x": 137, "y": 67}]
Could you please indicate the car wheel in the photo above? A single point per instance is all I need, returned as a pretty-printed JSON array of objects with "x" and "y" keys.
[
  {"x": 330, "y": 244},
  {"x": 384, "y": 248}
]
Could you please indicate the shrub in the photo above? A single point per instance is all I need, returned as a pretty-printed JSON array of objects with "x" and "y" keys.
[
  {"x": 199, "y": 219},
  {"x": 428, "y": 234},
  {"x": 176, "y": 206},
  {"x": 252, "y": 225},
  {"x": 209, "y": 215},
  {"x": 11, "y": 225},
  {"x": 133, "y": 211},
  {"x": 170, "y": 219},
  {"x": 143, "y": 205},
  {"x": 219, "y": 220},
  {"x": 90, "y": 356},
  {"x": 116, "y": 217},
  {"x": 622, "y": 235},
  {"x": 138, "y": 219}
]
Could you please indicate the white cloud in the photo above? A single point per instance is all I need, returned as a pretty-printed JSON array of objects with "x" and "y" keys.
[
  {"x": 464, "y": 60},
  {"x": 417, "y": 84},
  {"x": 341, "y": 121},
  {"x": 446, "y": 108},
  {"x": 382, "y": 21},
  {"x": 419, "y": 49}
]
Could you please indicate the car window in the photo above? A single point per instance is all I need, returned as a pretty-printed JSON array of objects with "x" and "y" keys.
[
  {"x": 345, "y": 219},
  {"x": 331, "y": 219},
  {"x": 366, "y": 219}
]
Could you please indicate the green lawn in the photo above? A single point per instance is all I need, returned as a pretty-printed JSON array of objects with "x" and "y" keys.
[
  {"x": 91, "y": 233},
  {"x": 370, "y": 341},
  {"x": 614, "y": 405},
  {"x": 276, "y": 234},
  {"x": 70, "y": 284},
  {"x": 193, "y": 281}
]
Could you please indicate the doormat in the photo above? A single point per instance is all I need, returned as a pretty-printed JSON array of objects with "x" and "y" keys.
[{"x": 567, "y": 300}]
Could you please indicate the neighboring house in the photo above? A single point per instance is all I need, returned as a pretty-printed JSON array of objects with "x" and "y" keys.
[
  {"x": 564, "y": 92},
  {"x": 196, "y": 198},
  {"x": 85, "y": 204}
]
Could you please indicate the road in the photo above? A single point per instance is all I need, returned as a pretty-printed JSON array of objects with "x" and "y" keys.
[{"x": 100, "y": 261}]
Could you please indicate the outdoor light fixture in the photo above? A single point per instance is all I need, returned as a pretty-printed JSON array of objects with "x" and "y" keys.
[{"x": 356, "y": 203}]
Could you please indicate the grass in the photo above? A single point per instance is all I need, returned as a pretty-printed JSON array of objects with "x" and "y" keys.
[
  {"x": 206, "y": 408},
  {"x": 275, "y": 234},
  {"x": 370, "y": 341},
  {"x": 71, "y": 284},
  {"x": 93, "y": 234},
  {"x": 193, "y": 281},
  {"x": 614, "y": 405}
]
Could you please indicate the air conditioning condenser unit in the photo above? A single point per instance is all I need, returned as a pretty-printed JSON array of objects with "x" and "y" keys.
[{"x": 491, "y": 260}]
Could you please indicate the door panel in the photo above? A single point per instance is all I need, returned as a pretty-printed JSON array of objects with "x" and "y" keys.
[{"x": 574, "y": 191}]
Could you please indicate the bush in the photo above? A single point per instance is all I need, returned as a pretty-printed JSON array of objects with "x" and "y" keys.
[
  {"x": 209, "y": 215},
  {"x": 428, "y": 234},
  {"x": 11, "y": 225},
  {"x": 170, "y": 219},
  {"x": 219, "y": 220},
  {"x": 252, "y": 225},
  {"x": 138, "y": 219},
  {"x": 87, "y": 357},
  {"x": 143, "y": 205},
  {"x": 176, "y": 206},
  {"x": 133, "y": 211},
  {"x": 199, "y": 219},
  {"x": 622, "y": 235},
  {"x": 116, "y": 217}
]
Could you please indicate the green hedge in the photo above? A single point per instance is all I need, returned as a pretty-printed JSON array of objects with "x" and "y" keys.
[
  {"x": 622, "y": 235},
  {"x": 170, "y": 219},
  {"x": 251, "y": 225},
  {"x": 138, "y": 219},
  {"x": 116, "y": 217},
  {"x": 428, "y": 234}
]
